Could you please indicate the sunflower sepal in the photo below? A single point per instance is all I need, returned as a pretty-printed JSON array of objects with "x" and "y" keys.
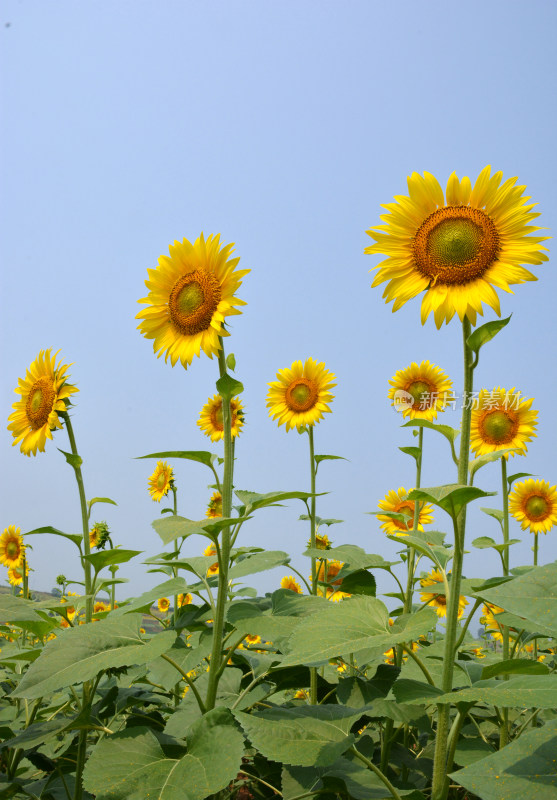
[
  {"x": 512, "y": 478},
  {"x": 228, "y": 387},
  {"x": 484, "y": 334},
  {"x": 73, "y": 459},
  {"x": 481, "y": 461}
]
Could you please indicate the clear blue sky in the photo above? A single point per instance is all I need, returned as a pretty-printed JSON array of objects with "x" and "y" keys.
[{"x": 283, "y": 126}]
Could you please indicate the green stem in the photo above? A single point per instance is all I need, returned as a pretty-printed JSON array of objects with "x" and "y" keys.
[
  {"x": 188, "y": 680},
  {"x": 383, "y": 778},
  {"x": 314, "y": 574},
  {"x": 535, "y": 548},
  {"x": 477, "y": 604},
  {"x": 504, "y": 731}
]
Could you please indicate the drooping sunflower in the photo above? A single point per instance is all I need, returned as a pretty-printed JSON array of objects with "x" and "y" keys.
[
  {"x": 44, "y": 392},
  {"x": 300, "y": 395},
  {"x": 534, "y": 504},
  {"x": 161, "y": 481},
  {"x": 437, "y": 600},
  {"x": 191, "y": 293},
  {"x": 288, "y": 582},
  {"x": 163, "y": 604},
  {"x": 210, "y": 420},
  {"x": 456, "y": 247},
  {"x": 502, "y": 420},
  {"x": 214, "y": 509},
  {"x": 99, "y": 535},
  {"x": 420, "y": 391},
  {"x": 12, "y": 548},
  {"x": 398, "y": 503}
]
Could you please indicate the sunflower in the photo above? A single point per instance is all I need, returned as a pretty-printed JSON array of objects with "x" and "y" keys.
[
  {"x": 420, "y": 391},
  {"x": 191, "y": 292},
  {"x": 397, "y": 503},
  {"x": 288, "y": 582},
  {"x": 439, "y": 601},
  {"x": 184, "y": 600},
  {"x": 327, "y": 573},
  {"x": 492, "y": 627},
  {"x": 99, "y": 535},
  {"x": 99, "y": 607},
  {"x": 301, "y": 394},
  {"x": 15, "y": 574},
  {"x": 210, "y": 420},
  {"x": 12, "y": 549},
  {"x": 44, "y": 392},
  {"x": 253, "y": 638},
  {"x": 211, "y": 550},
  {"x": 502, "y": 420},
  {"x": 161, "y": 481},
  {"x": 163, "y": 604},
  {"x": 322, "y": 542},
  {"x": 456, "y": 247},
  {"x": 214, "y": 509},
  {"x": 534, "y": 505}
]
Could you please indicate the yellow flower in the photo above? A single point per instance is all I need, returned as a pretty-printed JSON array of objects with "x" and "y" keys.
[
  {"x": 478, "y": 652},
  {"x": 98, "y": 535},
  {"x": 12, "y": 549},
  {"x": 322, "y": 541},
  {"x": 210, "y": 420},
  {"x": 15, "y": 574},
  {"x": 301, "y": 694},
  {"x": 191, "y": 293},
  {"x": 502, "y": 420},
  {"x": 214, "y": 509},
  {"x": 439, "y": 601},
  {"x": 534, "y": 505},
  {"x": 184, "y": 600},
  {"x": 211, "y": 550},
  {"x": 397, "y": 503},
  {"x": 161, "y": 481},
  {"x": 163, "y": 604},
  {"x": 327, "y": 573},
  {"x": 253, "y": 638},
  {"x": 420, "y": 391},
  {"x": 301, "y": 394},
  {"x": 288, "y": 582},
  {"x": 44, "y": 392},
  {"x": 99, "y": 607},
  {"x": 456, "y": 247},
  {"x": 488, "y": 619}
]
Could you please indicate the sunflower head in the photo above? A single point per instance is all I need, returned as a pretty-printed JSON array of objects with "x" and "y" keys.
[
  {"x": 12, "y": 548},
  {"x": 15, "y": 574},
  {"x": 398, "y": 503},
  {"x": 214, "y": 509},
  {"x": 502, "y": 420},
  {"x": 534, "y": 504},
  {"x": 456, "y": 246},
  {"x": 211, "y": 550},
  {"x": 191, "y": 292},
  {"x": 288, "y": 582},
  {"x": 438, "y": 599},
  {"x": 420, "y": 391},
  {"x": 301, "y": 394},
  {"x": 99, "y": 535},
  {"x": 45, "y": 393},
  {"x": 161, "y": 481},
  {"x": 184, "y": 600},
  {"x": 163, "y": 604},
  {"x": 210, "y": 420},
  {"x": 322, "y": 542}
]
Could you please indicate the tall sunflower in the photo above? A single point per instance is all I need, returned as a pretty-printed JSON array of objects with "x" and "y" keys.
[
  {"x": 438, "y": 599},
  {"x": 210, "y": 420},
  {"x": 456, "y": 247},
  {"x": 420, "y": 391},
  {"x": 534, "y": 504},
  {"x": 191, "y": 293},
  {"x": 398, "y": 503},
  {"x": 44, "y": 392},
  {"x": 161, "y": 481},
  {"x": 12, "y": 548},
  {"x": 502, "y": 420},
  {"x": 300, "y": 395}
]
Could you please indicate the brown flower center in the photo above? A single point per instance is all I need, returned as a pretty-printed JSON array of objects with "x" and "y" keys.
[
  {"x": 498, "y": 427},
  {"x": 13, "y": 549},
  {"x": 455, "y": 244},
  {"x": 301, "y": 395},
  {"x": 216, "y": 417},
  {"x": 40, "y": 402},
  {"x": 421, "y": 391},
  {"x": 161, "y": 480},
  {"x": 193, "y": 301},
  {"x": 537, "y": 508}
]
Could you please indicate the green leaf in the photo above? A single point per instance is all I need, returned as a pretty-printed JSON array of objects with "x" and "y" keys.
[
  {"x": 496, "y": 513},
  {"x": 524, "y": 691},
  {"x": 304, "y": 736},
  {"x": 407, "y": 690},
  {"x": 146, "y": 600},
  {"x": 485, "y": 542},
  {"x": 39, "y": 733},
  {"x": 356, "y": 624},
  {"x": 359, "y": 582},
  {"x": 320, "y": 521},
  {"x": 258, "y": 562},
  {"x": 79, "y": 654},
  {"x": 468, "y": 751},
  {"x": 485, "y": 333},
  {"x": 17, "y": 609},
  {"x": 439, "y": 555},
  {"x": 451, "y": 498},
  {"x": 73, "y": 459},
  {"x": 481, "y": 461},
  {"x": 253, "y": 500},
  {"x": 319, "y": 459},
  {"x": 415, "y": 452},
  {"x": 351, "y": 555},
  {"x": 231, "y": 361},
  {"x": 525, "y": 666},
  {"x": 132, "y": 765},
  {"x": 532, "y": 596},
  {"x": 101, "y": 500},
  {"x": 171, "y": 528},
  {"x": 105, "y": 558},
  {"x": 73, "y": 537},
  {"x": 449, "y": 433},
  {"x": 201, "y": 456},
  {"x": 228, "y": 387},
  {"x": 512, "y": 478},
  {"x": 523, "y": 769}
]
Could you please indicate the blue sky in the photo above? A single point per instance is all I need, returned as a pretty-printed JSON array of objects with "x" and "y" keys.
[{"x": 283, "y": 126}]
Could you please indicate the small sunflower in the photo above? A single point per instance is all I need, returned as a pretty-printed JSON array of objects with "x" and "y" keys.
[
  {"x": 12, "y": 548},
  {"x": 300, "y": 395},
  {"x": 534, "y": 505},
  {"x": 322, "y": 542},
  {"x": 161, "y": 481},
  {"x": 15, "y": 574},
  {"x": 99, "y": 607},
  {"x": 253, "y": 638},
  {"x": 420, "y": 391},
  {"x": 191, "y": 293},
  {"x": 210, "y": 420},
  {"x": 439, "y": 601},
  {"x": 211, "y": 550},
  {"x": 99, "y": 535},
  {"x": 488, "y": 619},
  {"x": 327, "y": 573},
  {"x": 184, "y": 600},
  {"x": 502, "y": 420},
  {"x": 288, "y": 582},
  {"x": 163, "y": 604},
  {"x": 214, "y": 509},
  {"x": 397, "y": 503},
  {"x": 44, "y": 392},
  {"x": 457, "y": 247}
]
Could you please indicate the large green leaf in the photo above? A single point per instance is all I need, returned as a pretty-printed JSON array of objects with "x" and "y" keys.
[
  {"x": 132, "y": 765},
  {"x": 79, "y": 654},
  {"x": 228, "y": 387},
  {"x": 304, "y": 736},
  {"x": 187, "y": 658},
  {"x": 105, "y": 558},
  {"x": 201, "y": 456},
  {"x": 253, "y": 500},
  {"x": 522, "y": 770},
  {"x": 17, "y": 609},
  {"x": 449, "y": 433},
  {"x": 188, "y": 711},
  {"x": 516, "y": 666},
  {"x": 73, "y": 537},
  {"x": 522, "y": 691},
  {"x": 355, "y": 624},
  {"x": 247, "y": 618},
  {"x": 351, "y": 555},
  {"x": 171, "y": 528},
  {"x": 451, "y": 497},
  {"x": 258, "y": 562}
]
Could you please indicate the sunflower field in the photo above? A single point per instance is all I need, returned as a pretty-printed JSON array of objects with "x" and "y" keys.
[{"x": 201, "y": 687}]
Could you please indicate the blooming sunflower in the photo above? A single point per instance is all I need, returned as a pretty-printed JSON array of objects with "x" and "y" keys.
[
  {"x": 301, "y": 394},
  {"x": 502, "y": 420},
  {"x": 534, "y": 505},
  {"x": 322, "y": 542},
  {"x": 420, "y": 391},
  {"x": 163, "y": 604},
  {"x": 211, "y": 550},
  {"x": 161, "y": 481},
  {"x": 191, "y": 292},
  {"x": 99, "y": 607},
  {"x": 214, "y": 509},
  {"x": 288, "y": 582},
  {"x": 490, "y": 611},
  {"x": 184, "y": 599},
  {"x": 456, "y": 247},
  {"x": 12, "y": 549},
  {"x": 210, "y": 420},
  {"x": 15, "y": 574},
  {"x": 439, "y": 601},
  {"x": 44, "y": 392},
  {"x": 397, "y": 503},
  {"x": 327, "y": 573}
]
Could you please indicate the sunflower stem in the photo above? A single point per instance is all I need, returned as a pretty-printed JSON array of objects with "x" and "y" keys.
[
  {"x": 504, "y": 731},
  {"x": 313, "y": 670},
  {"x": 441, "y": 765},
  {"x": 535, "y": 548}
]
